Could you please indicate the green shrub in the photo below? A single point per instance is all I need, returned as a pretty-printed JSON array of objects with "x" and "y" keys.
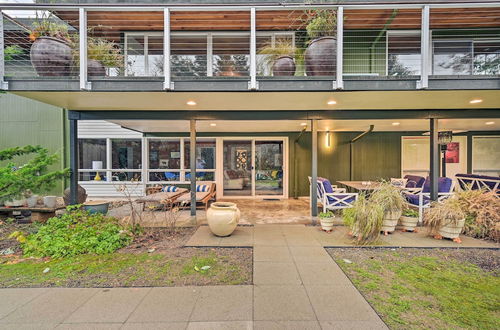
[{"x": 76, "y": 232}]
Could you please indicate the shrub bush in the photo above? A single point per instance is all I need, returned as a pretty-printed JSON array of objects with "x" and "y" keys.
[{"x": 77, "y": 232}]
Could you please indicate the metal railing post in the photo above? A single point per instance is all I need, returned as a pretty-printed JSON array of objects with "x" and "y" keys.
[
  {"x": 167, "y": 84},
  {"x": 339, "y": 84},
  {"x": 3, "y": 84},
  {"x": 425, "y": 49},
  {"x": 253, "y": 49},
  {"x": 84, "y": 83}
]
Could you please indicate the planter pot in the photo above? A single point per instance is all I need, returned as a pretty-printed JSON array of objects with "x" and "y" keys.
[
  {"x": 16, "y": 202},
  {"x": 81, "y": 195},
  {"x": 32, "y": 201},
  {"x": 409, "y": 223},
  {"x": 51, "y": 57},
  {"x": 222, "y": 218},
  {"x": 50, "y": 201},
  {"x": 327, "y": 223},
  {"x": 95, "y": 68},
  {"x": 284, "y": 66},
  {"x": 391, "y": 219},
  {"x": 96, "y": 207},
  {"x": 452, "y": 230},
  {"x": 320, "y": 57}
]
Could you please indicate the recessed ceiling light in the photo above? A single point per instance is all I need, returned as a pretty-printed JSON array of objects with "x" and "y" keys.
[
  {"x": 191, "y": 102},
  {"x": 332, "y": 102},
  {"x": 490, "y": 123},
  {"x": 303, "y": 124},
  {"x": 213, "y": 124},
  {"x": 475, "y": 101},
  {"x": 396, "y": 124}
]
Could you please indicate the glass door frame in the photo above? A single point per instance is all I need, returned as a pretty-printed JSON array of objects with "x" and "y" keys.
[{"x": 252, "y": 140}]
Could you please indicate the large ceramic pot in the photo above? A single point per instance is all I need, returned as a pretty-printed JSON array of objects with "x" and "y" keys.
[
  {"x": 50, "y": 201},
  {"x": 95, "y": 69},
  {"x": 32, "y": 200},
  {"x": 390, "y": 221},
  {"x": 321, "y": 57},
  {"x": 96, "y": 207},
  {"x": 327, "y": 223},
  {"x": 51, "y": 57},
  {"x": 81, "y": 195},
  {"x": 409, "y": 223},
  {"x": 452, "y": 229},
  {"x": 284, "y": 66},
  {"x": 222, "y": 218}
]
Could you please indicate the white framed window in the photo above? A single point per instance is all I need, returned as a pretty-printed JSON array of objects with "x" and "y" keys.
[
  {"x": 403, "y": 53},
  {"x": 485, "y": 155}
]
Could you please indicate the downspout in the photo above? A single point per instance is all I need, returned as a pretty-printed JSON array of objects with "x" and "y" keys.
[
  {"x": 296, "y": 165},
  {"x": 379, "y": 36},
  {"x": 351, "y": 168}
]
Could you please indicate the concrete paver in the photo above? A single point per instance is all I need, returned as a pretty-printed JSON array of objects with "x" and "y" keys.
[
  {"x": 286, "y": 325},
  {"x": 155, "y": 326},
  {"x": 11, "y": 299},
  {"x": 224, "y": 325},
  {"x": 272, "y": 253},
  {"x": 280, "y": 273}
]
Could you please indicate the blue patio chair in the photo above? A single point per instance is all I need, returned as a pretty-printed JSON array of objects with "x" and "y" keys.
[
  {"x": 331, "y": 197},
  {"x": 476, "y": 182},
  {"x": 414, "y": 183},
  {"x": 422, "y": 199}
]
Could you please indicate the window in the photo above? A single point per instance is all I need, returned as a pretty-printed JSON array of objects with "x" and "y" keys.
[
  {"x": 485, "y": 156},
  {"x": 403, "y": 53},
  {"x": 91, "y": 157},
  {"x": 205, "y": 159},
  {"x": 231, "y": 55},
  {"x": 164, "y": 154},
  {"x": 188, "y": 55},
  {"x": 126, "y": 159},
  {"x": 487, "y": 57}
]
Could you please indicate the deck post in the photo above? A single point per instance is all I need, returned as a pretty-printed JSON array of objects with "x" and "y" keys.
[
  {"x": 84, "y": 83},
  {"x": 167, "y": 83},
  {"x": 73, "y": 160},
  {"x": 192, "y": 166},
  {"x": 314, "y": 168},
  {"x": 339, "y": 84},
  {"x": 252, "y": 84},
  {"x": 425, "y": 43},
  {"x": 3, "y": 84},
  {"x": 434, "y": 157}
]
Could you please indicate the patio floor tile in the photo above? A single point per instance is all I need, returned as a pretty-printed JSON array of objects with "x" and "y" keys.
[
  {"x": 155, "y": 326},
  {"x": 279, "y": 273},
  {"x": 166, "y": 305},
  {"x": 203, "y": 237},
  {"x": 272, "y": 253},
  {"x": 223, "y": 303},
  {"x": 269, "y": 239},
  {"x": 282, "y": 303},
  {"x": 242, "y": 236},
  {"x": 109, "y": 305},
  {"x": 89, "y": 326},
  {"x": 10, "y": 299},
  {"x": 353, "y": 325},
  {"x": 309, "y": 254},
  {"x": 286, "y": 325},
  {"x": 52, "y": 306},
  {"x": 326, "y": 273},
  {"x": 229, "y": 325},
  {"x": 28, "y": 326}
]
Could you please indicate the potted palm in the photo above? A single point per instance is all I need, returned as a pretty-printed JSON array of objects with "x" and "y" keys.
[
  {"x": 409, "y": 220},
  {"x": 326, "y": 219},
  {"x": 279, "y": 57},
  {"x": 390, "y": 199},
  {"x": 445, "y": 219},
  {"x": 320, "y": 55}
]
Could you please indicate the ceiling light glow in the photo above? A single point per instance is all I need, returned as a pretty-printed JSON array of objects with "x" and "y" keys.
[
  {"x": 191, "y": 102},
  {"x": 396, "y": 124},
  {"x": 213, "y": 124},
  {"x": 475, "y": 101},
  {"x": 332, "y": 102},
  {"x": 490, "y": 123}
]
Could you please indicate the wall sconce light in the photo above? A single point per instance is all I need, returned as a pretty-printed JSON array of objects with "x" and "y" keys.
[{"x": 327, "y": 139}]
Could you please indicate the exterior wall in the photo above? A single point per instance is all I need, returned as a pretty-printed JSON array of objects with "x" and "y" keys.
[{"x": 24, "y": 121}]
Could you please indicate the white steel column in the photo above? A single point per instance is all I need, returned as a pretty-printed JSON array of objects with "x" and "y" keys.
[
  {"x": 3, "y": 83},
  {"x": 210, "y": 66},
  {"x": 82, "y": 16},
  {"x": 253, "y": 49},
  {"x": 167, "y": 84},
  {"x": 425, "y": 43},
  {"x": 340, "y": 48}
]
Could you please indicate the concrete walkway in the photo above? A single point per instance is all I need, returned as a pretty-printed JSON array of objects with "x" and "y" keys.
[{"x": 297, "y": 285}]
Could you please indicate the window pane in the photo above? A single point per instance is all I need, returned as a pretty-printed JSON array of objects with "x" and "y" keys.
[
  {"x": 403, "y": 55},
  {"x": 155, "y": 55},
  {"x": 135, "y": 60},
  {"x": 487, "y": 57},
  {"x": 201, "y": 176},
  {"x": 126, "y": 176},
  {"x": 452, "y": 57},
  {"x": 91, "y": 176},
  {"x": 485, "y": 155},
  {"x": 205, "y": 154},
  {"x": 92, "y": 154},
  {"x": 164, "y": 154},
  {"x": 263, "y": 60},
  {"x": 126, "y": 153},
  {"x": 188, "y": 55},
  {"x": 231, "y": 55},
  {"x": 164, "y": 176}
]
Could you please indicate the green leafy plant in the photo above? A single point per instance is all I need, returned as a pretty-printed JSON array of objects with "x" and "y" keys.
[
  {"x": 48, "y": 25},
  {"x": 325, "y": 215},
  {"x": 33, "y": 175},
  {"x": 440, "y": 214},
  {"x": 273, "y": 52},
  {"x": 321, "y": 23},
  {"x": 77, "y": 232},
  {"x": 11, "y": 51},
  {"x": 410, "y": 213},
  {"x": 108, "y": 53}
]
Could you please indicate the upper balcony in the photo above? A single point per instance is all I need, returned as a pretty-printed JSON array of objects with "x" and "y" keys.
[{"x": 242, "y": 47}]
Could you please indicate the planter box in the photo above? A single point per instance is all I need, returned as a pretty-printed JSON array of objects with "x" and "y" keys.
[
  {"x": 327, "y": 223},
  {"x": 409, "y": 223},
  {"x": 452, "y": 231},
  {"x": 391, "y": 219}
]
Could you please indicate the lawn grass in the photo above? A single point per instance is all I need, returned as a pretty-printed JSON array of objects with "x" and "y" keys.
[
  {"x": 126, "y": 269},
  {"x": 431, "y": 289}
]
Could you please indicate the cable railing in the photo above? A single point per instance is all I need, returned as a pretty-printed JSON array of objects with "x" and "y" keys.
[{"x": 263, "y": 43}]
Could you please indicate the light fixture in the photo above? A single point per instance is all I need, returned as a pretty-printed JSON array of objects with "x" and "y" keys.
[
  {"x": 303, "y": 124},
  {"x": 490, "y": 123},
  {"x": 332, "y": 102},
  {"x": 327, "y": 139},
  {"x": 191, "y": 103},
  {"x": 213, "y": 124},
  {"x": 475, "y": 101},
  {"x": 396, "y": 124}
]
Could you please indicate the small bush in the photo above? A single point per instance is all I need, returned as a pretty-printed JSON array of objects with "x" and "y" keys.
[{"x": 76, "y": 232}]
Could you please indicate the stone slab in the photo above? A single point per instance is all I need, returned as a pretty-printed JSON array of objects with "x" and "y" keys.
[
  {"x": 272, "y": 253},
  {"x": 324, "y": 273},
  {"x": 223, "y": 325},
  {"x": 279, "y": 273},
  {"x": 10, "y": 299},
  {"x": 223, "y": 303},
  {"x": 282, "y": 303},
  {"x": 155, "y": 326},
  {"x": 286, "y": 325}
]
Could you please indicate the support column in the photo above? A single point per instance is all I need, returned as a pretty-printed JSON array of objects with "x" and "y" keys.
[
  {"x": 167, "y": 83},
  {"x": 314, "y": 168},
  {"x": 73, "y": 160},
  {"x": 192, "y": 165},
  {"x": 434, "y": 157},
  {"x": 3, "y": 83},
  {"x": 84, "y": 83},
  {"x": 252, "y": 85},
  {"x": 339, "y": 84},
  {"x": 425, "y": 44}
]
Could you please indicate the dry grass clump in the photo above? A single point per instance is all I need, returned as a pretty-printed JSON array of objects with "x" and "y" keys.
[{"x": 440, "y": 214}]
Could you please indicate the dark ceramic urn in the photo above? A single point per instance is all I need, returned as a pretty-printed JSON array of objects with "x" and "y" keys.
[
  {"x": 321, "y": 57},
  {"x": 284, "y": 66},
  {"x": 95, "y": 69},
  {"x": 51, "y": 57},
  {"x": 81, "y": 195}
]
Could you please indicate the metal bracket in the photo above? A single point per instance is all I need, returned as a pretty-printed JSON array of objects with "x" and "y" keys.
[
  {"x": 168, "y": 88},
  {"x": 254, "y": 86},
  {"x": 4, "y": 85}
]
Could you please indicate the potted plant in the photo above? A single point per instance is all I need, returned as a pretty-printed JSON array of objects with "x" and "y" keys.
[
  {"x": 445, "y": 219},
  {"x": 409, "y": 220},
  {"x": 364, "y": 219},
  {"x": 320, "y": 55},
  {"x": 390, "y": 199},
  {"x": 279, "y": 57},
  {"x": 51, "y": 53},
  {"x": 31, "y": 199},
  {"x": 326, "y": 219},
  {"x": 101, "y": 54}
]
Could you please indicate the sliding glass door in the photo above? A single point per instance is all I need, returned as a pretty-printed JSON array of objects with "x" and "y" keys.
[{"x": 269, "y": 168}]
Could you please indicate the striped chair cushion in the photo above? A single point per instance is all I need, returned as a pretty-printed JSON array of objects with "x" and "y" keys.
[
  {"x": 169, "y": 189},
  {"x": 202, "y": 188}
]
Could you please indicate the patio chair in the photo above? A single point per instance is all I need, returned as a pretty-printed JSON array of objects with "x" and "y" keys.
[
  {"x": 205, "y": 191},
  {"x": 167, "y": 193},
  {"x": 331, "y": 197},
  {"x": 476, "y": 182},
  {"x": 422, "y": 199},
  {"x": 414, "y": 183}
]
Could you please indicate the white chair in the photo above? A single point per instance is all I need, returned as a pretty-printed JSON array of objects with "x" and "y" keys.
[{"x": 337, "y": 199}]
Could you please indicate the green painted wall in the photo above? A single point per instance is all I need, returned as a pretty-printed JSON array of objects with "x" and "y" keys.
[{"x": 24, "y": 121}]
